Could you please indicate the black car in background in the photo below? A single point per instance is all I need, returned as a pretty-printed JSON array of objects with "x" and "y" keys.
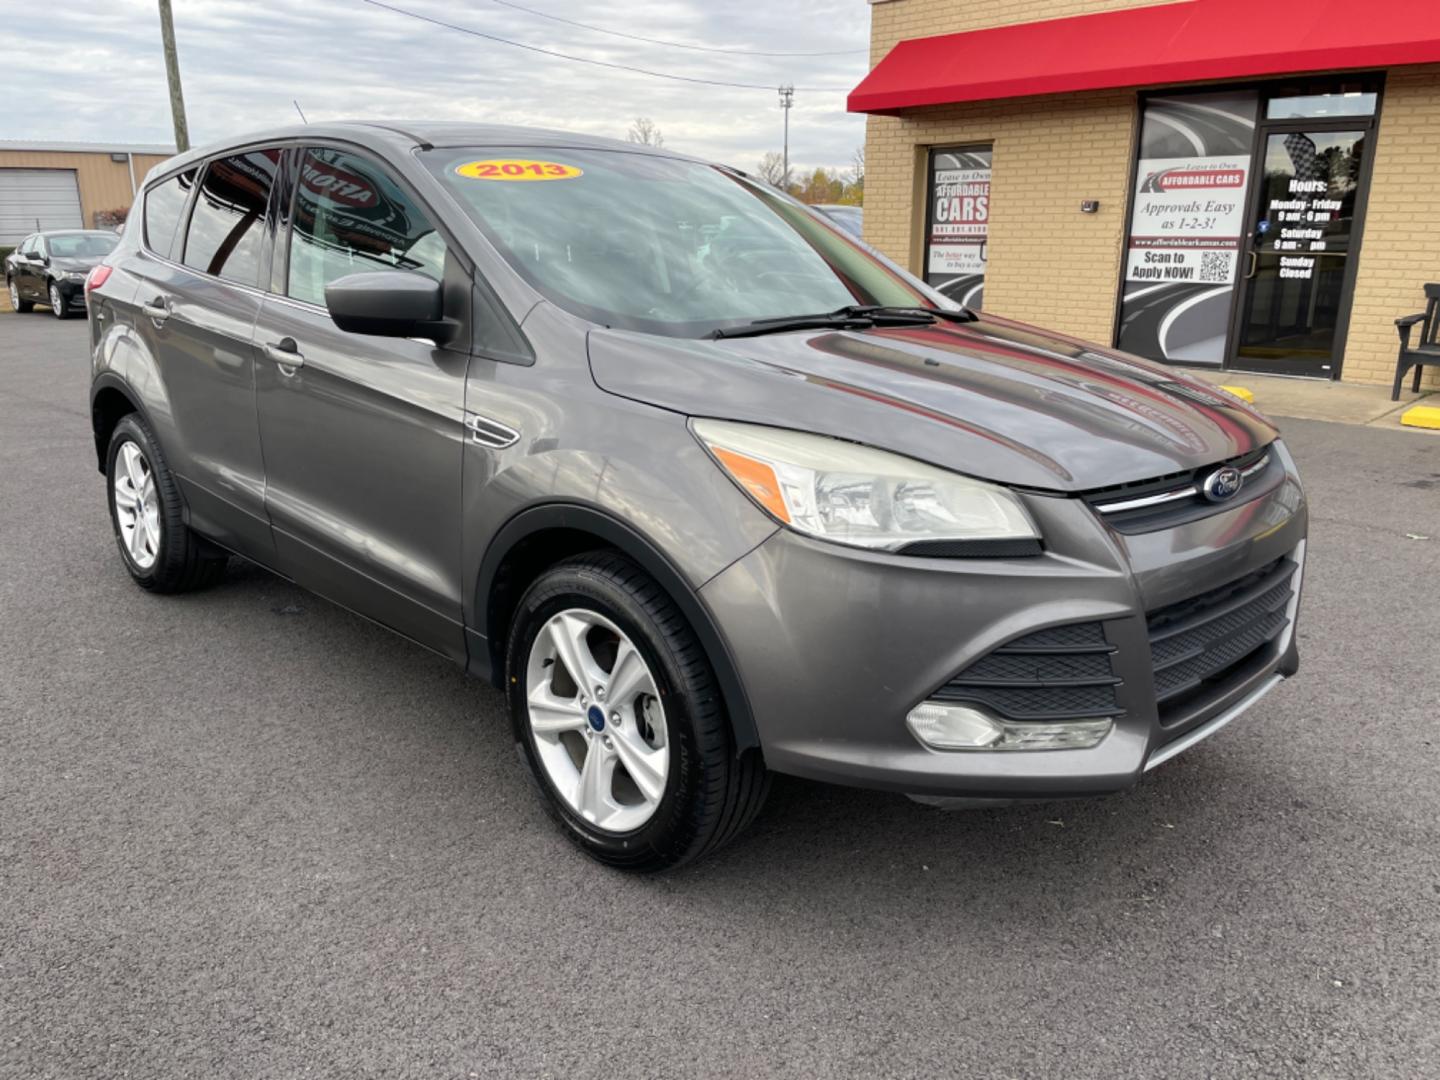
[{"x": 50, "y": 267}]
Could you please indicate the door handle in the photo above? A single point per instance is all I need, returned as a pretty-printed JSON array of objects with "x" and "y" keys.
[
  {"x": 158, "y": 309},
  {"x": 1254, "y": 262},
  {"x": 285, "y": 353}
]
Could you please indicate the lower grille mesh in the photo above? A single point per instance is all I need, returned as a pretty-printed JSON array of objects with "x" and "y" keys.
[
  {"x": 1061, "y": 673},
  {"x": 1197, "y": 646},
  {"x": 1197, "y": 643}
]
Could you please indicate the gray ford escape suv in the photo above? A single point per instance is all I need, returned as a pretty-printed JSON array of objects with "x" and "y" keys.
[{"x": 707, "y": 487}]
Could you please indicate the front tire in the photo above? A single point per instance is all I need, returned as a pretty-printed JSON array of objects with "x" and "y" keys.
[
  {"x": 617, "y": 712},
  {"x": 158, "y": 548},
  {"x": 21, "y": 306},
  {"x": 59, "y": 306}
]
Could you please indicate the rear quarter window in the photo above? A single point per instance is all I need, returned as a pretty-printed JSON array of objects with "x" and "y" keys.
[{"x": 164, "y": 203}]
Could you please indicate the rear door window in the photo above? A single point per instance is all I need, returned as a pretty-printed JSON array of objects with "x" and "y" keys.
[
  {"x": 350, "y": 216},
  {"x": 227, "y": 225},
  {"x": 164, "y": 203}
]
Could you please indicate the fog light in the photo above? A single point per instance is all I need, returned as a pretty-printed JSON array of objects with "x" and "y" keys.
[
  {"x": 953, "y": 727},
  {"x": 942, "y": 726}
]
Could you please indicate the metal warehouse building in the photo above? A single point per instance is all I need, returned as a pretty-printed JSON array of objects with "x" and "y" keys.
[
  {"x": 57, "y": 185},
  {"x": 1226, "y": 183}
]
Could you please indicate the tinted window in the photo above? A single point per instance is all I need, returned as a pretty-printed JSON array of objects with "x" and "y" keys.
[
  {"x": 351, "y": 217},
  {"x": 163, "y": 205},
  {"x": 661, "y": 244},
  {"x": 1321, "y": 106},
  {"x": 228, "y": 221}
]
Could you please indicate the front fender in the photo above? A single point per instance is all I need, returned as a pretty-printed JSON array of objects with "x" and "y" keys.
[{"x": 487, "y": 645}]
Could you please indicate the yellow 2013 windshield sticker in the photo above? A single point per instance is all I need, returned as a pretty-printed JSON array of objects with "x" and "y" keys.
[{"x": 518, "y": 169}]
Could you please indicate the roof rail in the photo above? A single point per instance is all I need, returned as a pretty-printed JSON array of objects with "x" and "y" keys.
[{"x": 421, "y": 143}]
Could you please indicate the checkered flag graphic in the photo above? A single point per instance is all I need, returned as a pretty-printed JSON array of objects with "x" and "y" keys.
[{"x": 1301, "y": 149}]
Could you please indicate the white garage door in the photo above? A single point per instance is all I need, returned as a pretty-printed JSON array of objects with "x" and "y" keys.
[{"x": 33, "y": 199}]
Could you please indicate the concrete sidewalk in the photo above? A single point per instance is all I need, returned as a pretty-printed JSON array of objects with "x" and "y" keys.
[{"x": 1316, "y": 399}]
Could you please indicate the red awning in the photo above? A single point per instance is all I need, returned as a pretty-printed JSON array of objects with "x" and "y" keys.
[{"x": 1190, "y": 41}]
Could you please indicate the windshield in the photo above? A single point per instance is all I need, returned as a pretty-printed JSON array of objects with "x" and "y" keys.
[
  {"x": 660, "y": 244},
  {"x": 81, "y": 245}
]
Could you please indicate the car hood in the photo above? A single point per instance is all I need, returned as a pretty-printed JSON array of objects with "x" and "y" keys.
[
  {"x": 86, "y": 262},
  {"x": 992, "y": 398}
]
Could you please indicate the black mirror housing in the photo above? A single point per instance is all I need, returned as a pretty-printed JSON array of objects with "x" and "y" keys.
[{"x": 389, "y": 303}]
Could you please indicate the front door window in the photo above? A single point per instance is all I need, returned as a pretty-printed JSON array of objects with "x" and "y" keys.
[{"x": 1296, "y": 288}]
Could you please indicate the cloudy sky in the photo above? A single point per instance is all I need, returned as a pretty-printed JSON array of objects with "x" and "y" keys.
[{"x": 95, "y": 72}]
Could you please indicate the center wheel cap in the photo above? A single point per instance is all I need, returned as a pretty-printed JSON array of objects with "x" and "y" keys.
[{"x": 596, "y": 716}]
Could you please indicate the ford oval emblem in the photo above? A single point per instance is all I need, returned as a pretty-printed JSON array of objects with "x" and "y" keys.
[{"x": 1222, "y": 484}]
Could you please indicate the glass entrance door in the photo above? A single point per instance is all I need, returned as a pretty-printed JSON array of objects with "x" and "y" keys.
[{"x": 1297, "y": 265}]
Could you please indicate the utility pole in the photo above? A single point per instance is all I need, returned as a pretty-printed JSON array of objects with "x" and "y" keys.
[
  {"x": 787, "y": 97},
  {"x": 172, "y": 71}
]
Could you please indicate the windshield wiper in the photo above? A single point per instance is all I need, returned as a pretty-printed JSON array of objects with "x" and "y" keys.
[
  {"x": 917, "y": 313},
  {"x": 850, "y": 317}
]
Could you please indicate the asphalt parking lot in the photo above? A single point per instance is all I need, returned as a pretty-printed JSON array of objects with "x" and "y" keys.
[{"x": 246, "y": 834}]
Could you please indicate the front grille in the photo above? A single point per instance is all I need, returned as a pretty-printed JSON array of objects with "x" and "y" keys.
[
  {"x": 1198, "y": 645},
  {"x": 1164, "y": 502},
  {"x": 1061, "y": 673},
  {"x": 1199, "y": 649}
]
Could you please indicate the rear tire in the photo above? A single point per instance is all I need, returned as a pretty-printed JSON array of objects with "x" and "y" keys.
[
  {"x": 21, "y": 306},
  {"x": 707, "y": 794},
  {"x": 160, "y": 551}
]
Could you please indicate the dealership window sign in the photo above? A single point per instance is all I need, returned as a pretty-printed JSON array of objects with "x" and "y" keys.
[
  {"x": 1192, "y": 180},
  {"x": 958, "y": 229}
]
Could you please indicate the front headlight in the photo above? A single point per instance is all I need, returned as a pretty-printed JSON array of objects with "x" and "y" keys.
[
  {"x": 77, "y": 276},
  {"x": 851, "y": 494}
]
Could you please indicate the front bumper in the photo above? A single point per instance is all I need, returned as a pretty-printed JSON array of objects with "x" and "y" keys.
[
  {"x": 72, "y": 291},
  {"x": 835, "y": 646}
]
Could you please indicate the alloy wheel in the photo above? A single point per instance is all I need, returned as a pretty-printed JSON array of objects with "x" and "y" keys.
[
  {"x": 57, "y": 305},
  {"x": 14, "y": 296},
  {"x": 137, "y": 505},
  {"x": 595, "y": 715}
]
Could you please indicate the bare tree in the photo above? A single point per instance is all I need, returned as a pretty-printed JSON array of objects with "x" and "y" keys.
[
  {"x": 771, "y": 169},
  {"x": 644, "y": 132},
  {"x": 857, "y": 168}
]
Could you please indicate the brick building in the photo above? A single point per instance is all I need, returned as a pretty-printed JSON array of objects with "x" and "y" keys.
[{"x": 1210, "y": 182}]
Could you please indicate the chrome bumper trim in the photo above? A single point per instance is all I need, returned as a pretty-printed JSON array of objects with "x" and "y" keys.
[{"x": 1210, "y": 727}]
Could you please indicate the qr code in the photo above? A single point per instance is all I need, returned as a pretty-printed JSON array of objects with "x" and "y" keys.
[{"x": 1215, "y": 266}]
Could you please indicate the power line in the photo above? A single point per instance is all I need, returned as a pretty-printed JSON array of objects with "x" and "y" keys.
[
  {"x": 671, "y": 44},
  {"x": 596, "y": 63}
]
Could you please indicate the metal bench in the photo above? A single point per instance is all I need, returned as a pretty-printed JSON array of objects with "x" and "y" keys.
[{"x": 1428, "y": 351}]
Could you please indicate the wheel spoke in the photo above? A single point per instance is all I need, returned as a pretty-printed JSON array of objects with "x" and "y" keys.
[
  {"x": 152, "y": 532},
  {"x": 567, "y": 634},
  {"x": 125, "y": 496},
  {"x": 135, "y": 540},
  {"x": 592, "y": 792},
  {"x": 550, "y": 715},
  {"x": 645, "y": 765},
  {"x": 134, "y": 466},
  {"x": 629, "y": 676}
]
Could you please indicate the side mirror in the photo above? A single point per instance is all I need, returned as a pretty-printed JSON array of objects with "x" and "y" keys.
[{"x": 388, "y": 303}]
